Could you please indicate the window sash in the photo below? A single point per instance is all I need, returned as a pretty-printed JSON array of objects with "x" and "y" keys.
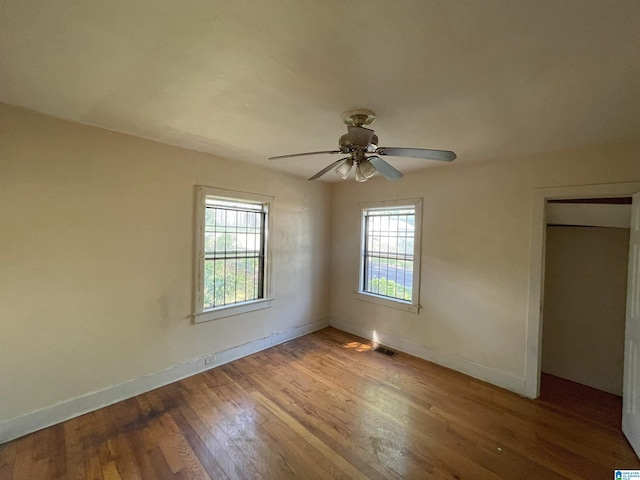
[
  {"x": 378, "y": 260},
  {"x": 229, "y": 262}
]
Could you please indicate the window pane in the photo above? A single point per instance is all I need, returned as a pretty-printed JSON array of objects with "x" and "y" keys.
[
  {"x": 210, "y": 217},
  {"x": 230, "y": 281},
  {"x": 209, "y": 280},
  {"x": 209, "y": 242},
  {"x": 219, "y": 283}
]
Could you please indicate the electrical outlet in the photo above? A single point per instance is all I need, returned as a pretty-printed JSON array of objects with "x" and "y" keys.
[{"x": 209, "y": 360}]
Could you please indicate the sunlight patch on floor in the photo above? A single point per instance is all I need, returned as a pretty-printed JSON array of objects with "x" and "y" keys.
[{"x": 358, "y": 347}]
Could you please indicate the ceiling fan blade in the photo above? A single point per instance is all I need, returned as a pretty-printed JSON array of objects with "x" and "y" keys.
[
  {"x": 335, "y": 164},
  {"x": 305, "y": 154},
  {"x": 384, "y": 169},
  {"x": 442, "y": 155},
  {"x": 360, "y": 136}
]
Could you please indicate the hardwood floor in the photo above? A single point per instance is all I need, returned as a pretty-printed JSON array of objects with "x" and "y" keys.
[{"x": 326, "y": 406}]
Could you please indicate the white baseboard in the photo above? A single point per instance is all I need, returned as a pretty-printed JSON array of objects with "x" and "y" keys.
[
  {"x": 460, "y": 364},
  {"x": 53, "y": 414}
]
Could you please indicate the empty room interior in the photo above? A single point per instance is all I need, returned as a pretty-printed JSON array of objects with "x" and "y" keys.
[{"x": 319, "y": 239}]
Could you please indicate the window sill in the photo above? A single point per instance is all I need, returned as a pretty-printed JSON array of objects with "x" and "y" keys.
[
  {"x": 231, "y": 310},
  {"x": 387, "y": 302}
]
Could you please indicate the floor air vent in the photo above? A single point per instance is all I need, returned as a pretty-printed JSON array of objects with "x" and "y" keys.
[{"x": 386, "y": 351}]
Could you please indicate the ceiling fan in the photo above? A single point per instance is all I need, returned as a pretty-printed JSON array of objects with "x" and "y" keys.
[{"x": 360, "y": 141}]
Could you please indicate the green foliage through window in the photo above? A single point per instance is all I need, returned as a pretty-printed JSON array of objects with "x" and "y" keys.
[{"x": 389, "y": 288}]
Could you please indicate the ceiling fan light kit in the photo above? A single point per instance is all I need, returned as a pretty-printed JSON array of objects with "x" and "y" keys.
[
  {"x": 359, "y": 141},
  {"x": 344, "y": 169},
  {"x": 367, "y": 170}
]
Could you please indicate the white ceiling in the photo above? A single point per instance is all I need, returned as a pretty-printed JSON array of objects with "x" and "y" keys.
[{"x": 252, "y": 79}]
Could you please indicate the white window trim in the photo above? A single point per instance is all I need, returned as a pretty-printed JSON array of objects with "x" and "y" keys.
[
  {"x": 200, "y": 314},
  {"x": 414, "y": 305}
]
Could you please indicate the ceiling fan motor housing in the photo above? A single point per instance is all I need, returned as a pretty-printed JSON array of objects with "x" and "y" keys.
[{"x": 347, "y": 147}]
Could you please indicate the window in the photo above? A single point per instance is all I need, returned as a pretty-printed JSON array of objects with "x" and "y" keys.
[
  {"x": 232, "y": 253},
  {"x": 389, "y": 267}
]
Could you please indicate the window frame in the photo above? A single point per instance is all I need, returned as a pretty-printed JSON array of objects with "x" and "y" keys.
[
  {"x": 200, "y": 313},
  {"x": 412, "y": 306}
]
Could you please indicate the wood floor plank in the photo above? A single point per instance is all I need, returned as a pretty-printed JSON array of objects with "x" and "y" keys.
[
  {"x": 110, "y": 471},
  {"x": 327, "y": 406},
  {"x": 93, "y": 469},
  {"x": 182, "y": 447},
  {"x": 7, "y": 460},
  {"x": 160, "y": 465},
  {"x": 23, "y": 457},
  {"x": 137, "y": 446},
  {"x": 75, "y": 448},
  {"x": 125, "y": 459},
  {"x": 168, "y": 448}
]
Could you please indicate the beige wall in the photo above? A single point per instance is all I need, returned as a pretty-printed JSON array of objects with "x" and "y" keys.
[
  {"x": 96, "y": 245},
  {"x": 475, "y": 255},
  {"x": 584, "y": 305}
]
